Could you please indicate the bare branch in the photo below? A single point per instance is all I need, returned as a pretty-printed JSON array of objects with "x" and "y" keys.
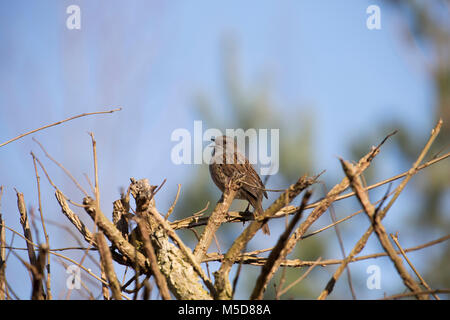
[
  {"x": 409, "y": 294},
  {"x": 56, "y": 123},
  {"x": 395, "y": 238},
  {"x": 74, "y": 219},
  {"x": 169, "y": 212},
  {"x": 234, "y": 216},
  {"x": 178, "y": 264},
  {"x": 38, "y": 274},
  {"x": 47, "y": 242},
  {"x": 2, "y": 252},
  {"x": 378, "y": 227},
  {"x": 303, "y": 276},
  {"x": 216, "y": 219},
  {"x": 114, "y": 235},
  {"x": 150, "y": 253},
  {"x": 363, "y": 240},
  {"x": 252, "y": 258},
  {"x": 222, "y": 283},
  {"x": 107, "y": 265},
  {"x": 94, "y": 151},
  {"x": 26, "y": 226},
  {"x": 67, "y": 172},
  {"x": 277, "y": 254}
]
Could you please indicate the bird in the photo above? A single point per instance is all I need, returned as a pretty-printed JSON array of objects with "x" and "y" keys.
[{"x": 225, "y": 162}]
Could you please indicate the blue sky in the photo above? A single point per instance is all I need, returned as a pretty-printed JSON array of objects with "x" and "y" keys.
[{"x": 153, "y": 58}]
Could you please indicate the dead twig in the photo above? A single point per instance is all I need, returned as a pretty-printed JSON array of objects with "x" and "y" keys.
[
  {"x": 113, "y": 234},
  {"x": 216, "y": 218},
  {"x": 341, "y": 245},
  {"x": 97, "y": 205},
  {"x": 2, "y": 252},
  {"x": 277, "y": 254},
  {"x": 67, "y": 172},
  {"x": 303, "y": 276},
  {"x": 409, "y": 294},
  {"x": 25, "y": 226},
  {"x": 169, "y": 212},
  {"x": 422, "y": 281},
  {"x": 252, "y": 257},
  {"x": 150, "y": 253},
  {"x": 74, "y": 219},
  {"x": 331, "y": 196},
  {"x": 175, "y": 260},
  {"x": 38, "y": 274},
  {"x": 234, "y": 216},
  {"x": 236, "y": 278},
  {"x": 363, "y": 240},
  {"x": 88, "y": 271},
  {"x": 47, "y": 242},
  {"x": 378, "y": 227},
  {"x": 186, "y": 251},
  {"x": 96, "y": 187},
  {"x": 57, "y": 123},
  {"x": 222, "y": 284},
  {"x": 107, "y": 265}
]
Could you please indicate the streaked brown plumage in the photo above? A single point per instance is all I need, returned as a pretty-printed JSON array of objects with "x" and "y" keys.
[{"x": 225, "y": 162}]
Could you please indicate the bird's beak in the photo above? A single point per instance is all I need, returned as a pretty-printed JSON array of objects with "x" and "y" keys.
[{"x": 213, "y": 139}]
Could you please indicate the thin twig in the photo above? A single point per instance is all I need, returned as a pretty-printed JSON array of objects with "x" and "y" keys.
[
  {"x": 236, "y": 278},
  {"x": 378, "y": 227},
  {"x": 47, "y": 242},
  {"x": 94, "y": 151},
  {"x": 67, "y": 172},
  {"x": 113, "y": 234},
  {"x": 97, "y": 201},
  {"x": 56, "y": 123},
  {"x": 54, "y": 249},
  {"x": 363, "y": 240},
  {"x": 341, "y": 245},
  {"x": 395, "y": 238},
  {"x": 303, "y": 276},
  {"x": 159, "y": 187},
  {"x": 234, "y": 216},
  {"x": 278, "y": 253},
  {"x": 88, "y": 271},
  {"x": 89, "y": 182},
  {"x": 409, "y": 294},
  {"x": 2, "y": 252},
  {"x": 222, "y": 283},
  {"x": 107, "y": 265},
  {"x": 169, "y": 212},
  {"x": 54, "y": 186},
  {"x": 280, "y": 284},
  {"x": 362, "y": 165},
  {"x": 253, "y": 259}
]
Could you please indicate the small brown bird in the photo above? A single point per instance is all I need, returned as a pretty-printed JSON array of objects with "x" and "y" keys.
[{"x": 226, "y": 160}]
